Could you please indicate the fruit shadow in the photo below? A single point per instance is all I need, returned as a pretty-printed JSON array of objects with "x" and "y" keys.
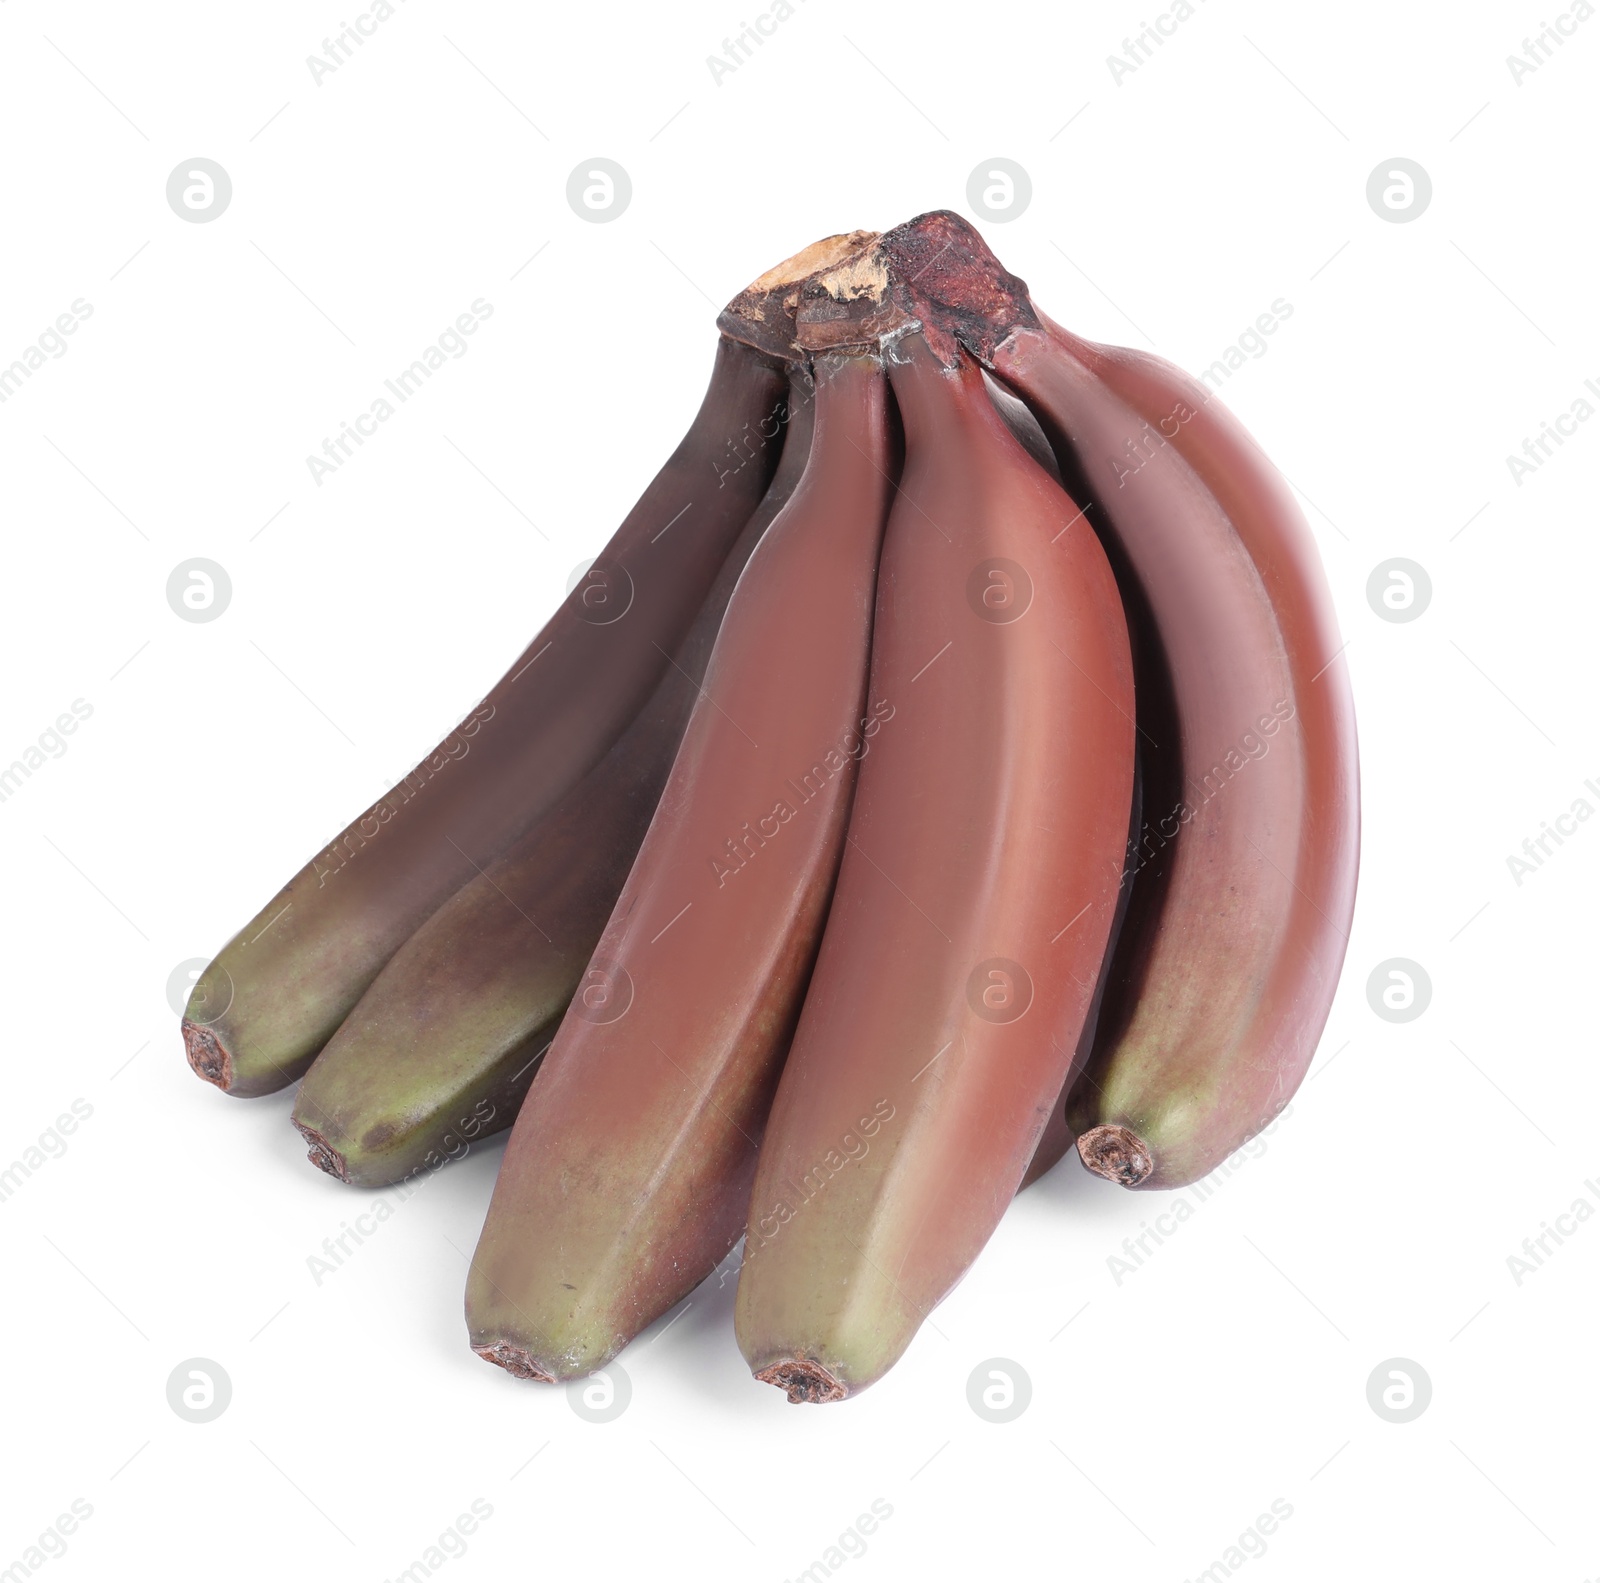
[
  {"x": 262, "y": 1129},
  {"x": 695, "y": 1341},
  {"x": 1069, "y": 1188},
  {"x": 438, "y": 1215}
]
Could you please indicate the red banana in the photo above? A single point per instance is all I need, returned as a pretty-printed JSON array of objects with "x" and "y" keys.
[
  {"x": 978, "y": 886},
  {"x": 442, "y": 1047},
  {"x": 276, "y": 992},
  {"x": 1226, "y": 967},
  {"x": 627, "y": 1174}
]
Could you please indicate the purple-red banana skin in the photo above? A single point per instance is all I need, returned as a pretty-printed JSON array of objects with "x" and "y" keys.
[
  {"x": 973, "y": 904},
  {"x": 1226, "y": 966},
  {"x": 276, "y": 992},
  {"x": 1240, "y": 914},
  {"x": 1058, "y": 1137},
  {"x": 440, "y": 1050},
  {"x": 627, "y": 1175}
]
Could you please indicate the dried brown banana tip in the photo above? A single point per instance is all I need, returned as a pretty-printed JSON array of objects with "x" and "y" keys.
[
  {"x": 207, "y": 1054},
  {"x": 516, "y": 1361},
  {"x": 1116, "y": 1153},
  {"x": 803, "y": 1380},
  {"x": 322, "y": 1154}
]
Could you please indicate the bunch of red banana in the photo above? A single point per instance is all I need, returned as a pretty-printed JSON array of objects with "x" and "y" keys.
[{"x": 949, "y": 758}]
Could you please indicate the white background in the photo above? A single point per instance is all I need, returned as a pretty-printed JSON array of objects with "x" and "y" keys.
[{"x": 368, "y": 614}]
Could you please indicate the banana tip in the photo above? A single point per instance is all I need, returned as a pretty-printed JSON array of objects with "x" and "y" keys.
[
  {"x": 515, "y": 1360},
  {"x": 207, "y": 1055},
  {"x": 322, "y": 1154},
  {"x": 804, "y": 1381},
  {"x": 1116, "y": 1153}
]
